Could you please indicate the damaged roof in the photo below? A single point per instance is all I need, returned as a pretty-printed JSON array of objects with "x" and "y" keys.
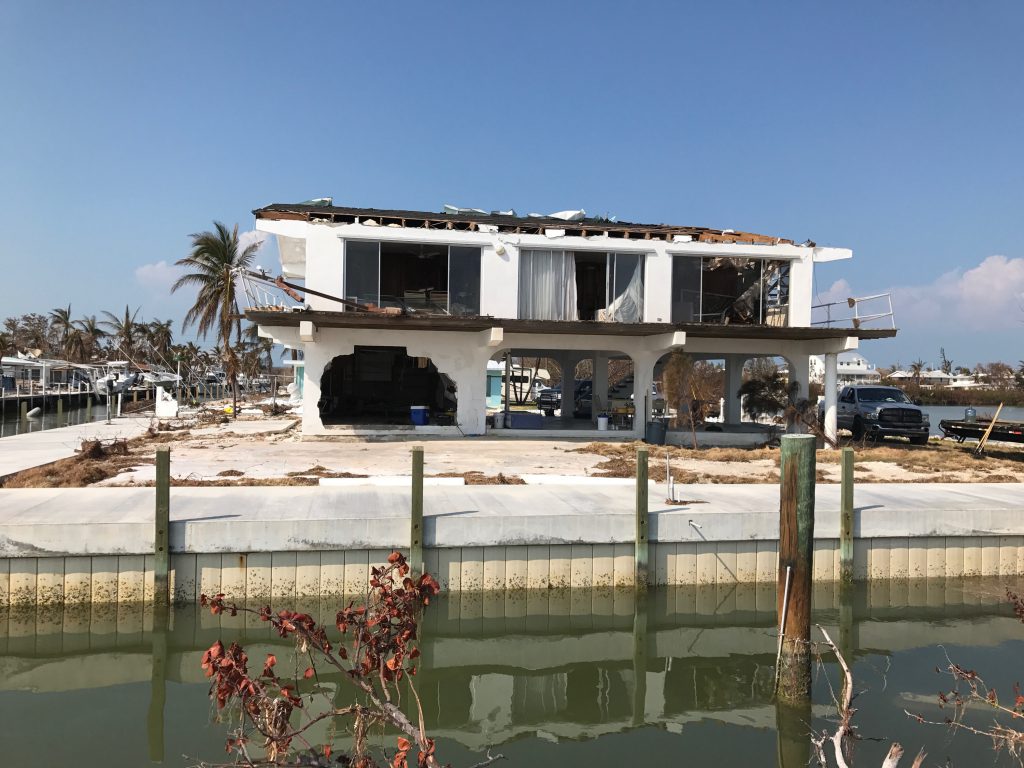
[{"x": 526, "y": 225}]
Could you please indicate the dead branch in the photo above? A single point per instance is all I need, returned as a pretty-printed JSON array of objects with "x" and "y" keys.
[{"x": 845, "y": 733}]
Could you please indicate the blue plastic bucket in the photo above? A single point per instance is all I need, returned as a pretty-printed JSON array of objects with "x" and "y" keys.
[{"x": 418, "y": 414}]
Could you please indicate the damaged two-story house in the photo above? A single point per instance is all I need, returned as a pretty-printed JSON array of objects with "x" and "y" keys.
[{"x": 409, "y": 308}]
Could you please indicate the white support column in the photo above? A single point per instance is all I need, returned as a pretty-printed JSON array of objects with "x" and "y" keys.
[
  {"x": 643, "y": 376},
  {"x": 567, "y": 361},
  {"x": 733, "y": 381},
  {"x": 831, "y": 387},
  {"x": 599, "y": 391},
  {"x": 800, "y": 373}
]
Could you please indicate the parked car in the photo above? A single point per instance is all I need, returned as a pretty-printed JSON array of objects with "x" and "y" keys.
[
  {"x": 876, "y": 412},
  {"x": 549, "y": 399}
]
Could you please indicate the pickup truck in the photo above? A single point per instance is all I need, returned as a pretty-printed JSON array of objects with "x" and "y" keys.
[{"x": 875, "y": 412}]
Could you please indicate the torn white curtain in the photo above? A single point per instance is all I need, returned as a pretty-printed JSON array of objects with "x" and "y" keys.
[
  {"x": 628, "y": 305},
  {"x": 547, "y": 285}
]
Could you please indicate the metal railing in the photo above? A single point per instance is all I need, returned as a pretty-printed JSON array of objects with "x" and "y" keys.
[{"x": 879, "y": 304}]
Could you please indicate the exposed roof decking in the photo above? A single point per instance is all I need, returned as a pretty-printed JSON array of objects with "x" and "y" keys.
[
  {"x": 374, "y": 321},
  {"x": 508, "y": 224}
]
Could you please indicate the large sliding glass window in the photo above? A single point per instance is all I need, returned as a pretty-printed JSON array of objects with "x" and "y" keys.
[
  {"x": 362, "y": 271},
  {"x": 729, "y": 290},
  {"x": 463, "y": 280},
  {"x": 686, "y": 289},
  {"x": 625, "y": 288},
  {"x": 422, "y": 278},
  {"x": 547, "y": 285}
]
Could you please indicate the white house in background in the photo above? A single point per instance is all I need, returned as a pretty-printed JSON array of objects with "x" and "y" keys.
[
  {"x": 851, "y": 368},
  {"x": 926, "y": 378},
  {"x": 937, "y": 379},
  {"x": 409, "y": 307}
]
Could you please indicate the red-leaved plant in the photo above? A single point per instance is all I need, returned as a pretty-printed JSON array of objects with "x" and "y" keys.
[{"x": 375, "y": 653}]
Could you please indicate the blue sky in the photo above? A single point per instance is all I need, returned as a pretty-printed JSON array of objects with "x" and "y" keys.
[{"x": 890, "y": 128}]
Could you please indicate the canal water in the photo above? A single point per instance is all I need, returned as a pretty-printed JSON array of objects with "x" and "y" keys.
[
  {"x": 937, "y": 413},
  {"x": 679, "y": 676},
  {"x": 10, "y": 423}
]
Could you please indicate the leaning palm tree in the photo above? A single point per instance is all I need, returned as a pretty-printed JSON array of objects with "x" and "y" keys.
[{"x": 215, "y": 259}]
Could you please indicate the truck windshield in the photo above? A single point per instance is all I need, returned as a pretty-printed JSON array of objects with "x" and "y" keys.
[{"x": 881, "y": 395}]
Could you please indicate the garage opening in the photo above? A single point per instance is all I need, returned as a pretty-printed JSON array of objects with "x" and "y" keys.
[{"x": 381, "y": 385}]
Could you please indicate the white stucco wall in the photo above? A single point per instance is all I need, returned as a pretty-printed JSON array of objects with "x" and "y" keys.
[{"x": 324, "y": 262}]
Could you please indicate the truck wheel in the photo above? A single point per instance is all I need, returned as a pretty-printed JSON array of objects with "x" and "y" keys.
[
  {"x": 858, "y": 429},
  {"x": 919, "y": 440}
]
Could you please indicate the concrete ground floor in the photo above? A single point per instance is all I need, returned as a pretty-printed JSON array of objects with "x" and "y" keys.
[{"x": 361, "y": 381}]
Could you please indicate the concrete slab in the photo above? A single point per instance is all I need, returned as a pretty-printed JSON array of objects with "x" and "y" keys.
[
  {"x": 80, "y": 521},
  {"x": 35, "y": 449}
]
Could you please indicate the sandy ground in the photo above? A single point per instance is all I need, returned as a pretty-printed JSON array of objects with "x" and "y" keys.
[
  {"x": 271, "y": 451},
  {"x": 274, "y": 449}
]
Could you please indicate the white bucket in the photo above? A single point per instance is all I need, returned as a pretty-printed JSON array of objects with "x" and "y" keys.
[
  {"x": 602, "y": 423},
  {"x": 499, "y": 420}
]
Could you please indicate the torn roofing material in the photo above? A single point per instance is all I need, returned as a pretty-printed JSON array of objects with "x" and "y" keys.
[{"x": 468, "y": 220}]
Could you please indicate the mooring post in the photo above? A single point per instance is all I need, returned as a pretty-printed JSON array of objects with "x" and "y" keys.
[
  {"x": 24, "y": 411},
  {"x": 640, "y": 659},
  {"x": 60, "y": 411},
  {"x": 846, "y": 518},
  {"x": 416, "y": 512},
  {"x": 640, "y": 571},
  {"x": 796, "y": 551},
  {"x": 161, "y": 531},
  {"x": 158, "y": 685},
  {"x": 88, "y": 408}
]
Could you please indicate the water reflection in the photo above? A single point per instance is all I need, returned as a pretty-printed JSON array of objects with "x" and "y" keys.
[{"x": 591, "y": 677}]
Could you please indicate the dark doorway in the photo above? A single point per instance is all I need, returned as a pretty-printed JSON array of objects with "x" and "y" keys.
[{"x": 378, "y": 385}]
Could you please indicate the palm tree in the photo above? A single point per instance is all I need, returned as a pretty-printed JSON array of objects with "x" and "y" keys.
[
  {"x": 215, "y": 258},
  {"x": 124, "y": 331},
  {"x": 160, "y": 334},
  {"x": 91, "y": 333},
  {"x": 61, "y": 324}
]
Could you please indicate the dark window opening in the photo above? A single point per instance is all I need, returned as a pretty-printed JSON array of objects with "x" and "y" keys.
[
  {"x": 730, "y": 290},
  {"x": 417, "y": 277},
  {"x": 379, "y": 385},
  {"x": 591, "y": 284}
]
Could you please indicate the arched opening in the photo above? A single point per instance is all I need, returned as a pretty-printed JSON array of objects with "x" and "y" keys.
[
  {"x": 381, "y": 386},
  {"x": 693, "y": 391},
  {"x": 559, "y": 389}
]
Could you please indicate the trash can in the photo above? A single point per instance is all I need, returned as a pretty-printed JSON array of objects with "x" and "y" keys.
[
  {"x": 655, "y": 433},
  {"x": 418, "y": 414},
  {"x": 602, "y": 423},
  {"x": 499, "y": 420}
]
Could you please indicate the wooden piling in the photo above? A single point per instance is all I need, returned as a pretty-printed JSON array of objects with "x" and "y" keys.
[
  {"x": 796, "y": 551},
  {"x": 416, "y": 512},
  {"x": 158, "y": 685},
  {"x": 161, "y": 531},
  {"x": 60, "y": 412},
  {"x": 846, "y": 517},
  {"x": 641, "y": 571},
  {"x": 24, "y": 412},
  {"x": 88, "y": 409}
]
